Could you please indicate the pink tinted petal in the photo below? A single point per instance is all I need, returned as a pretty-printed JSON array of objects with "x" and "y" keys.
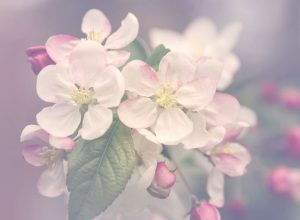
[
  {"x": 59, "y": 47},
  {"x": 39, "y": 58},
  {"x": 97, "y": 120},
  {"x": 172, "y": 126},
  {"x": 224, "y": 109},
  {"x": 61, "y": 143},
  {"x": 215, "y": 187},
  {"x": 232, "y": 159},
  {"x": 140, "y": 78},
  {"x": 176, "y": 69},
  {"x": 109, "y": 87},
  {"x": 60, "y": 120},
  {"x": 52, "y": 86},
  {"x": 125, "y": 34},
  {"x": 87, "y": 60},
  {"x": 205, "y": 211},
  {"x": 196, "y": 94},
  {"x": 138, "y": 113},
  {"x": 95, "y": 21},
  {"x": 52, "y": 182},
  {"x": 34, "y": 132},
  {"x": 199, "y": 137},
  {"x": 31, "y": 154},
  {"x": 117, "y": 58},
  {"x": 209, "y": 68}
]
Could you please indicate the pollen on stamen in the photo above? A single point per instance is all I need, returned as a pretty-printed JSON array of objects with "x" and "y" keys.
[
  {"x": 165, "y": 96},
  {"x": 82, "y": 95},
  {"x": 94, "y": 36}
]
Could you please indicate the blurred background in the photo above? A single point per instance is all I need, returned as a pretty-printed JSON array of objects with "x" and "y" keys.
[{"x": 269, "y": 49}]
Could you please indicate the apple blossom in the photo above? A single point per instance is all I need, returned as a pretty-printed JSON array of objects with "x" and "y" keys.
[
  {"x": 39, "y": 58},
  {"x": 279, "y": 181},
  {"x": 290, "y": 98},
  {"x": 269, "y": 90},
  {"x": 293, "y": 140},
  {"x": 205, "y": 211},
  {"x": 164, "y": 97},
  {"x": 49, "y": 152},
  {"x": 237, "y": 208},
  {"x": 162, "y": 182},
  {"x": 87, "y": 88},
  {"x": 97, "y": 28},
  {"x": 201, "y": 38}
]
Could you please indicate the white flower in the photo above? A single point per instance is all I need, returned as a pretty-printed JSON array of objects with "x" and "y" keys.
[
  {"x": 86, "y": 88},
  {"x": 97, "y": 28},
  {"x": 164, "y": 96},
  {"x": 50, "y": 152},
  {"x": 201, "y": 38}
]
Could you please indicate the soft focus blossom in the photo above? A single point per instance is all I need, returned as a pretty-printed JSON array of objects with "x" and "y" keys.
[
  {"x": 293, "y": 140},
  {"x": 162, "y": 96},
  {"x": 162, "y": 182},
  {"x": 39, "y": 58},
  {"x": 269, "y": 90},
  {"x": 97, "y": 28},
  {"x": 237, "y": 208},
  {"x": 47, "y": 151},
  {"x": 201, "y": 38},
  {"x": 87, "y": 87},
  {"x": 290, "y": 98},
  {"x": 279, "y": 180},
  {"x": 205, "y": 211}
]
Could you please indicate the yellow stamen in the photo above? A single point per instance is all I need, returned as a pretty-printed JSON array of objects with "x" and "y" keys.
[
  {"x": 165, "y": 96},
  {"x": 51, "y": 156},
  {"x": 94, "y": 36},
  {"x": 81, "y": 95}
]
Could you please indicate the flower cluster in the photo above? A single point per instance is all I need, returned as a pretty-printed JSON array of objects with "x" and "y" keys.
[{"x": 92, "y": 84}]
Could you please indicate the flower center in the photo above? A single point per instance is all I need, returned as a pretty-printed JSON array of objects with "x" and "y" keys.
[
  {"x": 165, "y": 96},
  {"x": 51, "y": 156},
  {"x": 82, "y": 95},
  {"x": 94, "y": 36}
]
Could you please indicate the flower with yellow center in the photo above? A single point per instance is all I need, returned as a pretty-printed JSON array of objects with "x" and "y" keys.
[
  {"x": 82, "y": 95},
  {"x": 165, "y": 96}
]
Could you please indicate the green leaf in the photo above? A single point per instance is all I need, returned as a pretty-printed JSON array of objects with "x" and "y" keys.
[
  {"x": 155, "y": 58},
  {"x": 137, "y": 50},
  {"x": 99, "y": 171}
]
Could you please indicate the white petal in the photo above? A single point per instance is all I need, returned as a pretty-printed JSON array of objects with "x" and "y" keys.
[
  {"x": 231, "y": 66},
  {"x": 125, "y": 34},
  {"x": 149, "y": 135},
  {"x": 138, "y": 113},
  {"x": 201, "y": 31},
  {"x": 215, "y": 188},
  {"x": 176, "y": 69},
  {"x": 148, "y": 151},
  {"x": 170, "y": 39},
  {"x": 172, "y": 126},
  {"x": 224, "y": 109},
  {"x": 87, "y": 60},
  {"x": 196, "y": 94},
  {"x": 60, "y": 120},
  {"x": 97, "y": 120},
  {"x": 140, "y": 78},
  {"x": 109, "y": 87},
  {"x": 52, "y": 85},
  {"x": 117, "y": 58},
  {"x": 200, "y": 136},
  {"x": 32, "y": 132},
  {"x": 230, "y": 35},
  {"x": 52, "y": 182},
  {"x": 247, "y": 117},
  {"x": 59, "y": 47},
  {"x": 95, "y": 20},
  {"x": 209, "y": 68}
]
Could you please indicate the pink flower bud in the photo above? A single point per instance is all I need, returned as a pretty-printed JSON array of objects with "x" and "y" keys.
[
  {"x": 237, "y": 208},
  {"x": 269, "y": 90},
  {"x": 279, "y": 181},
  {"x": 39, "y": 58},
  {"x": 162, "y": 182},
  {"x": 293, "y": 141},
  {"x": 290, "y": 98},
  {"x": 205, "y": 211}
]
